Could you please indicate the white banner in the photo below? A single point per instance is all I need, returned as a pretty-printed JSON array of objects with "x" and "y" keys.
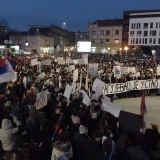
[
  {"x": 158, "y": 71},
  {"x": 94, "y": 66},
  {"x": 61, "y": 61},
  {"x": 46, "y": 62},
  {"x": 114, "y": 88},
  {"x": 85, "y": 58},
  {"x": 34, "y": 62},
  {"x": 132, "y": 69},
  {"x": 68, "y": 91},
  {"x": 124, "y": 70},
  {"x": 98, "y": 86},
  {"x": 75, "y": 75}
]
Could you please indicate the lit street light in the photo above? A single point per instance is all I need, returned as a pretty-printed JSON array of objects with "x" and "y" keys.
[
  {"x": 64, "y": 25},
  {"x": 26, "y": 43},
  {"x": 126, "y": 49}
]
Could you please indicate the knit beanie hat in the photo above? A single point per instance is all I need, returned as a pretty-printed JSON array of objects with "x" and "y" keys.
[
  {"x": 83, "y": 129},
  {"x": 94, "y": 115},
  {"x": 75, "y": 119}
]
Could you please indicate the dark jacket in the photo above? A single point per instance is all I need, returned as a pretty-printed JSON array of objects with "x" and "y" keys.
[
  {"x": 33, "y": 125},
  {"x": 135, "y": 153},
  {"x": 79, "y": 141},
  {"x": 93, "y": 150}
]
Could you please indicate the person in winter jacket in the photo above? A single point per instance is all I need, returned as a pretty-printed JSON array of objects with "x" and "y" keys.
[
  {"x": 136, "y": 151},
  {"x": 7, "y": 134},
  {"x": 62, "y": 149},
  {"x": 33, "y": 125},
  {"x": 93, "y": 147},
  {"x": 79, "y": 140},
  {"x": 108, "y": 144}
]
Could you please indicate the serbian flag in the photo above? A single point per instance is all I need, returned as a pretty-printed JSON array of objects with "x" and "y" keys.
[
  {"x": 6, "y": 71},
  {"x": 12, "y": 61},
  {"x": 143, "y": 111}
]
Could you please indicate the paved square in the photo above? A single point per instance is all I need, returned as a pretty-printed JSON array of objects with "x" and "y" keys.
[{"x": 133, "y": 105}]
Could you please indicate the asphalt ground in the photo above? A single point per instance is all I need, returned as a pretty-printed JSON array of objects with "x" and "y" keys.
[{"x": 152, "y": 104}]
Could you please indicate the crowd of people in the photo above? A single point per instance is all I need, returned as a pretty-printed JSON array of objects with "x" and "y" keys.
[{"x": 66, "y": 129}]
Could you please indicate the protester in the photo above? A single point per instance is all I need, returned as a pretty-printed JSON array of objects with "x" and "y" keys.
[
  {"x": 73, "y": 124},
  {"x": 8, "y": 134}
]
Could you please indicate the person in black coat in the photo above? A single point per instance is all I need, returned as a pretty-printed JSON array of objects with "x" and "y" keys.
[
  {"x": 93, "y": 147},
  {"x": 79, "y": 140}
]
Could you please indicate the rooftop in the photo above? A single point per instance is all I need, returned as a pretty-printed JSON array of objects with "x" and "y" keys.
[{"x": 109, "y": 22}]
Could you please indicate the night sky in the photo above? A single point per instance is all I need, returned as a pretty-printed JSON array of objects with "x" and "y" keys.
[{"x": 76, "y": 13}]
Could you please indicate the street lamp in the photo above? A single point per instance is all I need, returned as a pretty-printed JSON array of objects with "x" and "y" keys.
[
  {"x": 126, "y": 49},
  {"x": 26, "y": 43},
  {"x": 108, "y": 50},
  {"x": 64, "y": 25}
]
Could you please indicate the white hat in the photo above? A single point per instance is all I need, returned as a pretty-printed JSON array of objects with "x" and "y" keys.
[
  {"x": 83, "y": 129},
  {"x": 94, "y": 115}
]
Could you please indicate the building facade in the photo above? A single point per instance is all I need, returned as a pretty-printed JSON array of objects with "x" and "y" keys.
[
  {"x": 106, "y": 35},
  {"x": 143, "y": 31},
  {"x": 42, "y": 39},
  {"x": 36, "y": 39}
]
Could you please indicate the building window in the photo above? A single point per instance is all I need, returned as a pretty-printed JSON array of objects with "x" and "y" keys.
[
  {"x": 139, "y": 25},
  {"x": 145, "y": 40},
  {"x": 154, "y": 40},
  {"x": 145, "y": 26},
  {"x": 145, "y": 33},
  {"x": 101, "y": 32},
  {"x": 151, "y": 25},
  {"x": 156, "y": 24},
  {"x": 93, "y": 41},
  {"x": 132, "y": 33},
  {"x": 107, "y": 32},
  {"x": 158, "y": 40},
  {"x": 132, "y": 26},
  {"x": 150, "y": 41},
  {"x": 140, "y": 41},
  {"x": 136, "y": 40},
  {"x": 150, "y": 33},
  {"x": 101, "y": 41},
  {"x": 133, "y": 40},
  {"x": 117, "y": 32},
  {"x": 93, "y": 33},
  {"x": 139, "y": 33},
  {"x": 154, "y": 33},
  {"x": 107, "y": 40},
  {"x": 116, "y": 41}
]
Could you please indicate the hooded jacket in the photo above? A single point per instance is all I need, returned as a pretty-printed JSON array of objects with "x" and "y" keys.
[{"x": 7, "y": 135}]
